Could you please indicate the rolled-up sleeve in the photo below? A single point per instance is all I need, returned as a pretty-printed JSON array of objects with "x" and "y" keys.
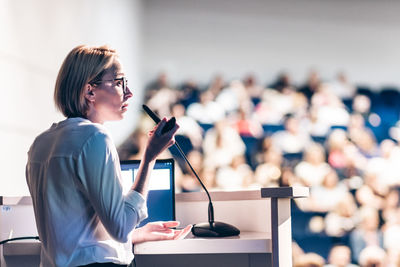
[{"x": 99, "y": 174}]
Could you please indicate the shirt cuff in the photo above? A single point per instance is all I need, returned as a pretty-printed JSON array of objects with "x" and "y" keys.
[{"x": 137, "y": 202}]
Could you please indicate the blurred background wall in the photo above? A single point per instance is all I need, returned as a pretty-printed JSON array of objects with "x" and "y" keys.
[
  {"x": 198, "y": 38},
  {"x": 35, "y": 38},
  {"x": 187, "y": 39}
]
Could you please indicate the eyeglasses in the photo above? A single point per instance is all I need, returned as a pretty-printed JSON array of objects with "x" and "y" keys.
[{"x": 124, "y": 81}]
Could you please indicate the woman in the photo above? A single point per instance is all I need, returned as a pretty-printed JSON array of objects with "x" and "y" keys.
[{"x": 73, "y": 170}]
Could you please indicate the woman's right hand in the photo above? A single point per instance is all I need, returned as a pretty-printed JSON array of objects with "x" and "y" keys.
[
  {"x": 158, "y": 141},
  {"x": 157, "y": 231}
]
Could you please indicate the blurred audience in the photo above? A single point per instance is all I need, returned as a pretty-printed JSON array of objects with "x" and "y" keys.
[
  {"x": 320, "y": 134},
  {"x": 206, "y": 110}
]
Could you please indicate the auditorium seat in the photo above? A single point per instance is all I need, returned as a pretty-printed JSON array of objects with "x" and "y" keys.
[{"x": 270, "y": 129}]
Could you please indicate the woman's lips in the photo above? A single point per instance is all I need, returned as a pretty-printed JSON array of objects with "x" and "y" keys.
[{"x": 124, "y": 106}]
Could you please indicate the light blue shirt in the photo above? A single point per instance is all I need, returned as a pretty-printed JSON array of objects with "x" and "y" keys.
[{"x": 73, "y": 174}]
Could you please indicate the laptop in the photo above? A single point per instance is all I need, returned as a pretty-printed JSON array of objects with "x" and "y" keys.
[{"x": 161, "y": 196}]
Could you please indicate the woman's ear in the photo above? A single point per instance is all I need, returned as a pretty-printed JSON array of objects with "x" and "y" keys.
[{"x": 89, "y": 93}]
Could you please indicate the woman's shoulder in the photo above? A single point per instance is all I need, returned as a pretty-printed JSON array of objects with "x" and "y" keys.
[
  {"x": 90, "y": 127},
  {"x": 80, "y": 130},
  {"x": 80, "y": 126}
]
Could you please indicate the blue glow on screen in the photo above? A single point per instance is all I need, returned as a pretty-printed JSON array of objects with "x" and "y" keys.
[{"x": 161, "y": 197}]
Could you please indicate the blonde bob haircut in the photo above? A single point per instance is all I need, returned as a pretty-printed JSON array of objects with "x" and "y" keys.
[{"x": 83, "y": 65}]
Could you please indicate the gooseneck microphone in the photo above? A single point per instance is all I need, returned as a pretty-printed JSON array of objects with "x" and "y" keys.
[{"x": 210, "y": 228}]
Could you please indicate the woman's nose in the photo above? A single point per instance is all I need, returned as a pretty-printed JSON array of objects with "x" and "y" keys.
[{"x": 128, "y": 93}]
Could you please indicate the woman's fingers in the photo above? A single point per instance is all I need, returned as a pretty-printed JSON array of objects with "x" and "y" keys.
[{"x": 160, "y": 126}]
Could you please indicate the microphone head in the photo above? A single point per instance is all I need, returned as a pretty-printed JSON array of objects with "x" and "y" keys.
[{"x": 152, "y": 115}]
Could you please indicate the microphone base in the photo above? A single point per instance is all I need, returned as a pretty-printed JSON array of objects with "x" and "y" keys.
[{"x": 215, "y": 229}]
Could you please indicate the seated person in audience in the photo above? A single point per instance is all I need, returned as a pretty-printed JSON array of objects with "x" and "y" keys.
[
  {"x": 221, "y": 144},
  {"x": 313, "y": 169},
  {"x": 233, "y": 96},
  {"x": 297, "y": 251},
  {"x": 288, "y": 178},
  {"x": 339, "y": 154},
  {"x": 189, "y": 93},
  {"x": 391, "y": 232},
  {"x": 367, "y": 232},
  {"x": 342, "y": 219},
  {"x": 362, "y": 105},
  {"x": 393, "y": 257},
  {"x": 386, "y": 165},
  {"x": 160, "y": 82},
  {"x": 268, "y": 172},
  {"x": 309, "y": 260},
  {"x": 208, "y": 177},
  {"x": 263, "y": 145},
  {"x": 207, "y": 110},
  {"x": 311, "y": 85},
  {"x": 188, "y": 182},
  {"x": 162, "y": 100},
  {"x": 390, "y": 207},
  {"x": 340, "y": 256},
  {"x": 188, "y": 126},
  {"x": 372, "y": 256},
  {"x": 342, "y": 88},
  {"x": 362, "y": 137},
  {"x": 236, "y": 176},
  {"x": 328, "y": 108},
  {"x": 282, "y": 83},
  {"x": 366, "y": 144},
  {"x": 245, "y": 125},
  {"x": 275, "y": 105},
  {"x": 316, "y": 127},
  {"x": 216, "y": 85},
  {"x": 326, "y": 196},
  {"x": 254, "y": 90},
  {"x": 371, "y": 192},
  {"x": 293, "y": 139}
]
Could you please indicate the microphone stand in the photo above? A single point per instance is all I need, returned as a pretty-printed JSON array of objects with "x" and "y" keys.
[{"x": 210, "y": 228}]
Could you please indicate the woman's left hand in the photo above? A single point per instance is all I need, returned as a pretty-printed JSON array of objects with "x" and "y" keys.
[{"x": 155, "y": 231}]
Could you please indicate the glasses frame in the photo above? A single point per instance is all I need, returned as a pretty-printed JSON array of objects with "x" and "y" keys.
[{"x": 124, "y": 83}]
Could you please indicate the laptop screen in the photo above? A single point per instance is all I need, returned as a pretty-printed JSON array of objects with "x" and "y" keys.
[{"x": 161, "y": 197}]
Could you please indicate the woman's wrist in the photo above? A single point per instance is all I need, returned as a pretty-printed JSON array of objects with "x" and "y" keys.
[
  {"x": 137, "y": 237},
  {"x": 148, "y": 159}
]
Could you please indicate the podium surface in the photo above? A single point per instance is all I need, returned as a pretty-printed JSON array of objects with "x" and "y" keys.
[{"x": 262, "y": 215}]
